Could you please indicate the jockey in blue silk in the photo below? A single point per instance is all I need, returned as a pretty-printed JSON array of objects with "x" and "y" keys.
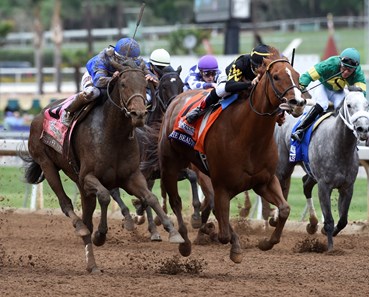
[
  {"x": 101, "y": 70},
  {"x": 334, "y": 74},
  {"x": 203, "y": 75},
  {"x": 159, "y": 59},
  {"x": 240, "y": 75}
]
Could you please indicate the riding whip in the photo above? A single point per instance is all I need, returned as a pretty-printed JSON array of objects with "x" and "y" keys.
[{"x": 137, "y": 24}]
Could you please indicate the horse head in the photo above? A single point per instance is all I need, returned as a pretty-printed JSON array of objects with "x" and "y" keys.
[
  {"x": 129, "y": 91},
  {"x": 170, "y": 85},
  {"x": 283, "y": 81},
  {"x": 354, "y": 113}
]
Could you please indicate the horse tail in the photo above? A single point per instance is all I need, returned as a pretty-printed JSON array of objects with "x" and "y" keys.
[{"x": 33, "y": 173}]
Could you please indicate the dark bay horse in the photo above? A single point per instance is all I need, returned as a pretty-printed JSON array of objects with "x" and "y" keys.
[
  {"x": 240, "y": 150},
  {"x": 104, "y": 155},
  {"x": 333, "y": 160}
]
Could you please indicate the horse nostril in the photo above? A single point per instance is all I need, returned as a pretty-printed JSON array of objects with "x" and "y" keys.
[{"x": 292, "y": 102}]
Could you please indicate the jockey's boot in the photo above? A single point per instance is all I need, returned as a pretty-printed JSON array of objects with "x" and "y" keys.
[
  {"x": 309, "y": 118},
  {"x": 194, "y": 114},
  {"x": 80, "y": 100}
]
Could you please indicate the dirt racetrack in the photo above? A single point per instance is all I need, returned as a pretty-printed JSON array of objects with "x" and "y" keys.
[{"x": 41, "y": 256}]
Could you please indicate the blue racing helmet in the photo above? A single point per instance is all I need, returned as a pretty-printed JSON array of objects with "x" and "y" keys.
[{"x": 127, "y": 47}]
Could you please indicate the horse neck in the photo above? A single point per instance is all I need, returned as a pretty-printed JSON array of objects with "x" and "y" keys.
[
  {"x": 114, "y": 122},
  {"x": 343, "y": 136}
]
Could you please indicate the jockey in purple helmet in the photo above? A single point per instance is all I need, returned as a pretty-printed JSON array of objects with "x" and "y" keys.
[
  {"x": 203, "y": 75},
  {"x": 100, "y": 71},
  {"x": 240, "y": 75}
]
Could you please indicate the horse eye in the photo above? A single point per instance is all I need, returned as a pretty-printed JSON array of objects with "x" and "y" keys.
[
  {"x": 349, "y": 105},
  {"x": 275, "y": 77}
]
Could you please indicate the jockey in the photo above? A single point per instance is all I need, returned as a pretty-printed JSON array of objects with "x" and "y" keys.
[
  {"x": 334, "y": 74},
  {"x": 159, "y": 59},
  {"x": 240, "y": 75},
  {"x": 100, "y": 71},
  {"x": 203, "y": 75}
]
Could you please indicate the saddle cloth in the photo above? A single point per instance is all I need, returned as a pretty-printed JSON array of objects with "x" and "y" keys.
[
  {"x": 54, "y": 131},
  {"x": 299, "y": 151},
  {"x": 193, "y": 135}
]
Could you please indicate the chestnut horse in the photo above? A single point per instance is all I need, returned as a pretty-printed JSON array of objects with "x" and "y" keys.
[
  {"x": 104, "y": 156},
  {"x": 240, "y": 150}
]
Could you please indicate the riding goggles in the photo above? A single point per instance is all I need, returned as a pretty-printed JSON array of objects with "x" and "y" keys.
[
  {"x": 209, "y": 73},
  {"x": 347, "y": 62}
]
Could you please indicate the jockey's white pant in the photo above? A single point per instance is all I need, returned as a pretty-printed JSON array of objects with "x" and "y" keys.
[
  {"x": 88, "y": 87},
  {"x": 323, "y": 96},
  {"x": 220, "y": 88}
]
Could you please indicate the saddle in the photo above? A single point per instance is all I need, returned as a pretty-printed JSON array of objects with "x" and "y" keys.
[
  {"x": 55, "y": 134},
  {"x": 193, "y": 135}
]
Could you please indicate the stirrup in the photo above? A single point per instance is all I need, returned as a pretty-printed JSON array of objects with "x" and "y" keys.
[
  {"x": 193, "y": 115},
  {"x": 66, "y": 118},
  {"x": 297, "y": 135}
]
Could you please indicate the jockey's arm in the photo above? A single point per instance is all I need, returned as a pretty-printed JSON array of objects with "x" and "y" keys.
[{"x": 232, "y": 86}]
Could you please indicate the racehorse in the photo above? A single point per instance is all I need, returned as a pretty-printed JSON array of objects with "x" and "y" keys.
[
  {"x": 333, "y": 160},
  {"x": 103, "y": 155},
  {"x": 170, "y": 85},
  {"x": 240, "y": 150}
]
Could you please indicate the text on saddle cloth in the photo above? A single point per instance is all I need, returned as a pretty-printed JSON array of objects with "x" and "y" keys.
[
  {"x": 193, "y": 135},
  {"x": 54, "y": 132}
]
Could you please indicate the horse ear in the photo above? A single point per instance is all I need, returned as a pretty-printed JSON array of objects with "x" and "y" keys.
[{"x": 179, "y": 69}]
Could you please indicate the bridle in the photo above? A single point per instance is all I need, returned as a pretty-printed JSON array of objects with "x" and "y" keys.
[
  {"x": 124, "y": 103},
  {"x": 350, "y": 119},
  {"x": 158, "y": 95},
  {"x": 280, "y": 95}
]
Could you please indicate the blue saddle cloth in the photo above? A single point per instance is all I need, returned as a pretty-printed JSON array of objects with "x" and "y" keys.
[
  {"x": 299, "y": 151},
  {"x": 225, "y": 102}
]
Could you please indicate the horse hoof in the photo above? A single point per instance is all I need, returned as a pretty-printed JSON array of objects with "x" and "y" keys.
[
  {"x": 273, "y": 222},
  {"x": 157, "y": 221},
  {"x": 195, "y": 222},
  {"x": 236, "y": 256},
  {"x": 99, "y": 238},
  {"x": 185, "y": 249},
  {"x": 129, "y": 224},
  {"x": 175, "y": 237},
  {"x": 155, "y": 237},
  {"x": 139, "y": 220},
  {"x": 81, "y": 229},
  {"x": 94, "y": 270},
  {"x": 311, "y": 229},
  {"x": 208, "y": 228},
  {"x": 265, "y": 245}
]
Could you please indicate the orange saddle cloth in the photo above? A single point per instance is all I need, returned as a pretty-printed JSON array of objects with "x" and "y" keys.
[{"x": 194, "y": 134}]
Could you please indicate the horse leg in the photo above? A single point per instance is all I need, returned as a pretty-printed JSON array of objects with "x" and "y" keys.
[
  {"x": 93, "y": 188},
  {"x": 196, "y": 217},
  {"x": 169, "y": 179},
  {"x": 308, "y": 184},
  {"x": 344, "y": 201},
  {"x": 128, "y": 222},
  {"x": 245, "y": 210},
  {"x": 137, "y": 186},
  {"x": 272, "y": 192},
  {"x": 325, "y": 204},
  {"x": 88, "y": 208},
  {"x": 155, "y": 236},
  {"x": 53, "y": 178}
]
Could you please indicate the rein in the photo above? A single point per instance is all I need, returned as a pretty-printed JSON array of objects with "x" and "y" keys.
[
  {"x": 278, "y": 94},
  {"x": 350, "y": 119},
  {"x": 124, "y": 103}
]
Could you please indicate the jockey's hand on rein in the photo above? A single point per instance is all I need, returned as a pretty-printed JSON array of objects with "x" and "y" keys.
[{"x": 255, "y": 80}]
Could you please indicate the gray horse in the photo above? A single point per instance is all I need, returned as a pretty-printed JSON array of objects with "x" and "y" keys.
[{"x": 333, "y": 160}]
